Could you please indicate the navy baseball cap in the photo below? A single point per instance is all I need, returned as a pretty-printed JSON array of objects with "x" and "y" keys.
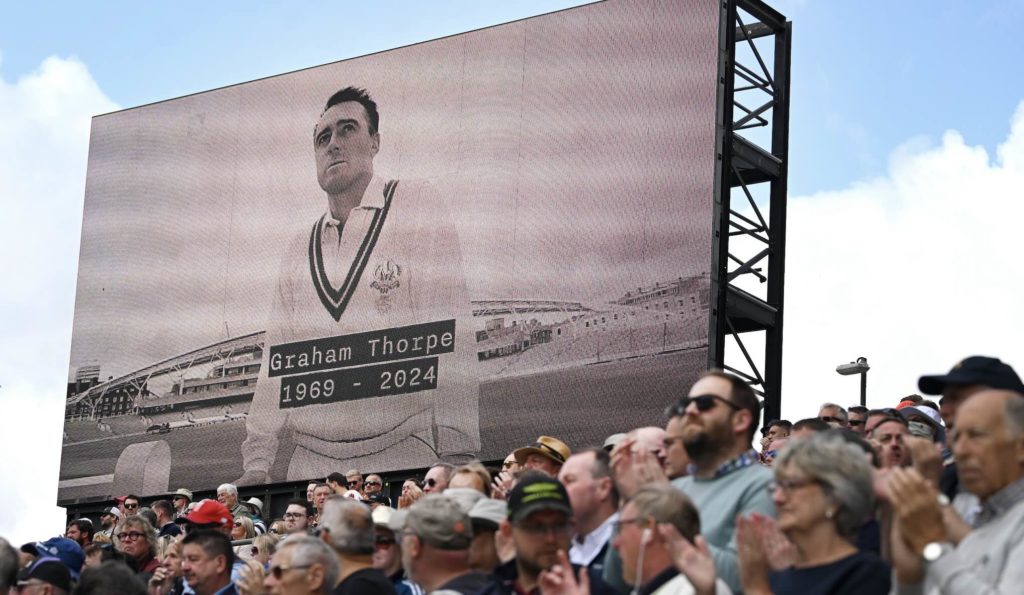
[
  {"x": 977, "y": 369},
  {"x": 49, "y": 570},
  {"x": 64, "y": 549}
]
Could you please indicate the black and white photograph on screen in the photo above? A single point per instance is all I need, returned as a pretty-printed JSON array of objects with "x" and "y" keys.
[{"x": 433, "y": 252}]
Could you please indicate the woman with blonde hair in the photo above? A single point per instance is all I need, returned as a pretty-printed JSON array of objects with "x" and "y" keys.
[
  {"x": 243, "y": 529},
  {"x": 263, "y": 548}
]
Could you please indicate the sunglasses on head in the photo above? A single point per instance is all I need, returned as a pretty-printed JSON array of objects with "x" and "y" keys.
[{"x": 703, "y": 403}]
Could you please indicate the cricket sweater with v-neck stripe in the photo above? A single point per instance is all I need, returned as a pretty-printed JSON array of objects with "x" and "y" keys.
[{"x": 395, "y": 262}]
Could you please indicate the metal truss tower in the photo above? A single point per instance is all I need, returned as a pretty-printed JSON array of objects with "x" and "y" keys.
[{"x": 751, "y": 164}]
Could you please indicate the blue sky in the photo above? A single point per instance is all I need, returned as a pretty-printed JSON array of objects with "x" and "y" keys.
[{"x": 907, "y": 161}]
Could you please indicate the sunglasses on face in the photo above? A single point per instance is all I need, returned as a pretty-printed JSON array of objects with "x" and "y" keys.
[
  {"x": 857, "y": 422},
  {"x": 431, "y": 482},
  {"x": 383, "y": 541},
  {"x": 131, "y": 506},
  {"x": 278, "y": 571},
  {"x": 373, "y": 483},
  {"x": 830, "y": 419},
  {"x": 703, "y": 403},
  {"x": 237, "y": 524}
]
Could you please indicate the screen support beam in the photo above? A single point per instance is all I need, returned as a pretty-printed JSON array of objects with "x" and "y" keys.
[{"x": 751, "y": 171}]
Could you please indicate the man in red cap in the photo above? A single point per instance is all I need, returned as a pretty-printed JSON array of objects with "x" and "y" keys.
[{"x": 210, "y": 514}]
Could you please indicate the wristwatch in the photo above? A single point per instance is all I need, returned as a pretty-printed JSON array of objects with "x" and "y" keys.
[{"x": 935, "y": 550}]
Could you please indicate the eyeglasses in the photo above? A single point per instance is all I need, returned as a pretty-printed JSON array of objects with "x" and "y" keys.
[
  {"x": 278, "y": 571},
  {"x": 544, "y": 529},
  {"x": 617, "y": 525},
  {"x": 295, "y": 515},
  {"x": 131, "y": 536},
  {"x": 131, "y": 506},
  {"x": 788, "y": 484},
  {"x": 508, "y": 464},
  {"x": 703, "y": 403}
]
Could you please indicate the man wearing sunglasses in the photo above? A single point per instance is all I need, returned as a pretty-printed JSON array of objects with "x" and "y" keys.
[
  {"x": 858, "y": 419},
  {"x": 387, "y": 555},
  {"x": 720, "y": 417},
  {"x": 834, "y": 415},
  {"x": 130, "y": 505},
  {"x": 373, "y": 485},
  {"x": 436, "y": 480}
]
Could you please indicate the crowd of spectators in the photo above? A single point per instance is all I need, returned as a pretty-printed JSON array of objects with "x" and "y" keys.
[{"x": 921, "y": 497}]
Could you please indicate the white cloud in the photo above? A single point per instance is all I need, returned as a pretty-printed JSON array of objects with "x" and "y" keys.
[
  {"x": 914, "y": 270},
  {"x": 44, "y": 132}
]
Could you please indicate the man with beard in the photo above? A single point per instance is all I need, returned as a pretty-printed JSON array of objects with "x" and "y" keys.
[
  {"x": 720, "y": 415},
  {"x": 540, "y": 524}
]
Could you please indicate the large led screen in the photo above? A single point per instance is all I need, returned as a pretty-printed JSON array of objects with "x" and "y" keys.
[{"x": 441, "y": 251}]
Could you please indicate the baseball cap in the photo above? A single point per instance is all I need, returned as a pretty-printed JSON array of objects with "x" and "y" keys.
[
  {"x": 440, "y": 522},
  {"x": 464, "y": 497},
  {"x": 62, "y": 549},
  {"x": 49, "y": 570},
  {"x": 210, "y": 512},
  {"x": 545, "y": 446},
  {"x": 977, "y": 369},
  {"x": 487, "y": 514},
  {"x": 382, "y": 516},
  {"x": 929, "y": 416},
  {"x": 537, "y": 491}
]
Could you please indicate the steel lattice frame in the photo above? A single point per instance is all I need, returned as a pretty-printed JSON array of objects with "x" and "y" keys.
[{"x": 752, "y": 151}]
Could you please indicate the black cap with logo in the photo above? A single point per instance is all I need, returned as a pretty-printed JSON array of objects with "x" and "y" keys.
[
  {"x": 977, "y": 369},
  {"x": 537, "y": 491}
]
